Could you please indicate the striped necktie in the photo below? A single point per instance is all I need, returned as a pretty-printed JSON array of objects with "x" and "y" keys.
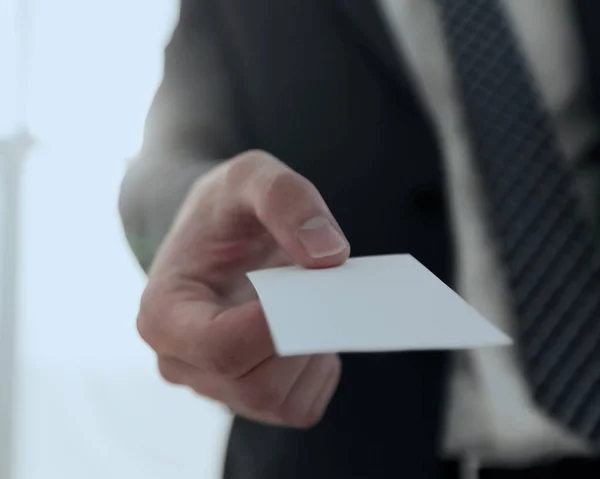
[{"x": 547, "y": 249}]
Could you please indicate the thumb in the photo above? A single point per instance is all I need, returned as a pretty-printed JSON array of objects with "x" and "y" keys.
[{"x": 292, "y": 210}]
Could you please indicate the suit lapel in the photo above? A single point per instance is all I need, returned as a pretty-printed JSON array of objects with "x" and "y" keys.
[{"x": 372, "y": 32}]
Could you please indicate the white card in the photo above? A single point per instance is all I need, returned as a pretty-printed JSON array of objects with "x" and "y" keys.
[{"x": 377, "y": 303}]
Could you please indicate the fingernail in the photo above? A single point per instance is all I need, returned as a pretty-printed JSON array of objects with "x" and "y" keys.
[{"x": 320, "y": 238}]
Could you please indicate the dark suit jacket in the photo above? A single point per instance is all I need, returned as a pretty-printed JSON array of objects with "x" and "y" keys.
[{"x": 318, "y": 84}]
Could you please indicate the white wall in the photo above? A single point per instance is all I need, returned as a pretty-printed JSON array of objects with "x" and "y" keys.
[{"x": 90, "y": 402}]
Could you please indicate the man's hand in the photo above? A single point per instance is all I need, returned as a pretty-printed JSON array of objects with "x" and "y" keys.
[{"x": 200, "y": 313}]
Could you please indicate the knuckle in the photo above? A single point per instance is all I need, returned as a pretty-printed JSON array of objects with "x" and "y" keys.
[
  {"x": 224, "y": 362},
  {"x": 164, "y": 322},
  {"x": 144, "y": 329},
  {"x": 151, "y": 311},
  {"x": 230, "y": 346},
  {"x": 260, "y": 399},
  {"x": 145, "y": 319},
  {"x": 183, "y": 332},
  {"x": 299, "y": 417},
  {"x": 308, "y": 419},
  {"x": 238, "y": 169},
  {"x": 257, "y": 156},
  {"x": 285, "y": 191},
  {"x": 287, "y": 183},
  {"x": 169, "y": 371}
]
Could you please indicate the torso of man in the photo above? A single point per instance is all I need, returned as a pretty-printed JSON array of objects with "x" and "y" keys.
[{"x": 491, "y": 414}]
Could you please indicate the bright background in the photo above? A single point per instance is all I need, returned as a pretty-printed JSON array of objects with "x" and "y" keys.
[{"x": 90, "y": 404}]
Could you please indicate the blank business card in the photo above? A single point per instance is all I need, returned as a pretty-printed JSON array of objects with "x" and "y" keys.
[{"x": 376, "y": 303}]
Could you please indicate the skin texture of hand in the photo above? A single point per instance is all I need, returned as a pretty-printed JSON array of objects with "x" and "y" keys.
[{"x": 200, "y": 313}]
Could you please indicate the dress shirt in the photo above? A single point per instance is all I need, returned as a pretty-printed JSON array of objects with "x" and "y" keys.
[{"x": 491, "y": 415}]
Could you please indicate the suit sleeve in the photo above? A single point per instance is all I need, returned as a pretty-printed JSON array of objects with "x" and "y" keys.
[{"x": 190, "y": 127}]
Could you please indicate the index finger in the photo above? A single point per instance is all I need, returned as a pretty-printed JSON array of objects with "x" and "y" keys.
[
  {"x": 225, "y": 341},
  {"x": 240, "y": 201}
]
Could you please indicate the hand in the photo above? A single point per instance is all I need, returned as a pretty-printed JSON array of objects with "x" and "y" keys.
[{"x": 202, "y": 316}]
